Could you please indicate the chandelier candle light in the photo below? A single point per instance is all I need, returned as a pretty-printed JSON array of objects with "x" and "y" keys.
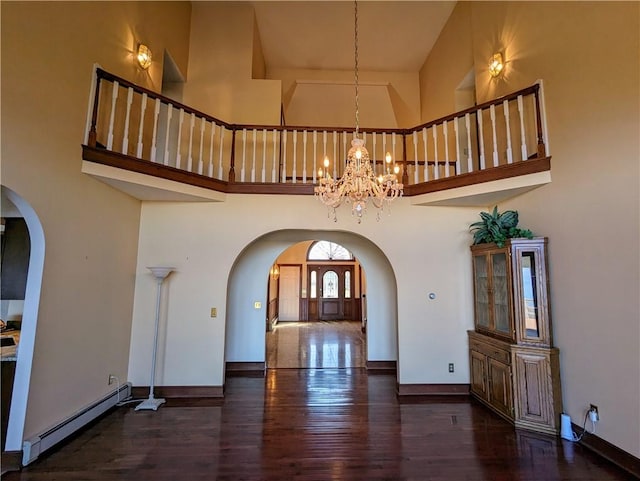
[{"x": 358, "y": 183}]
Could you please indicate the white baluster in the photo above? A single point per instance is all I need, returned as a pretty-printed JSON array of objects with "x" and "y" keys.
[
  {"x": 180, "y": 122},
  {"x": 492, "y": 112},
  {"x": 455, "y": 128},
  {"x": 304, "y": 157},
  {"x": 393, "y": 148},
  {"x": 154, "y": 137},
  {"x": 324, "y": 146},
  {"x": 220, "y": 173},
  {"x": 264, "y": 156},
  {"x": 335, "y": 154},
  {"x": 416, "y": 171},
  {"x": 284, "y": 156},
  {"x": 384, "y": 149},
  {"x": 315, "y": 154},
  {"x": 273, "y": 165},
  {"x": 505, "y": 106},
  {"x": 481, "y": 135},
  {"x": 210, "y": 169},
  {"x": 295, "y": 157},
  {"x": 125, "y": 139},
  {"x": 192, "y": 123},
  {"x": 523, "y": 138},
  {"x": 344, "y": 146},
  {"x": 244, "y": 153},
  {"x": 112, "y": 116},
  {"x": 436, "y": 168},
  {"x": 165, "y": 161},
  {"x": 143, "y": 108},
  {"x": 467, "y": 121},
  {"x": 446, "y": 148},
  {"x": 426, "y": 160},
  {"x": 200, "y": 161},
  {"x": 373, "y": 151},
  {"x": 253, "y": 163}
]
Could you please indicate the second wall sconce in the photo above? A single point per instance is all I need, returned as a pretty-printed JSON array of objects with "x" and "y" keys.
[
  {"x": 144, "y": 56},
  {"x": 496, "y": 65}
]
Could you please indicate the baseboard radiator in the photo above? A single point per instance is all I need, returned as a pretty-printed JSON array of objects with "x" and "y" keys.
[{"x": 33, "y": 447}]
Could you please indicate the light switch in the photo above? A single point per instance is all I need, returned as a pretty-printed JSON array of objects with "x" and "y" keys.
[
  {"x": 214, "y": 312},
  {"x": 257, "y": 305}
]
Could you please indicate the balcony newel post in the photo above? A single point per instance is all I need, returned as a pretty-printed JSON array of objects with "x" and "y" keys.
[
  {"x": 92, "y": 140},
  {"x": 405, "y": 174},
  {"x": 232, "y": 162},
  {"x": 542, "y": 151}
]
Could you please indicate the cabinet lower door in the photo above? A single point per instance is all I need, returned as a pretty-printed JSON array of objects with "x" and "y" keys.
[
  {"x": 500, "y": 395},
  {"x": 537, "y": 388},
  {"x": 479, "y": 374}
]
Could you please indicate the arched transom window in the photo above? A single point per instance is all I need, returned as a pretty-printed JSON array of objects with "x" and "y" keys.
[{"x": 329, "y": 251}]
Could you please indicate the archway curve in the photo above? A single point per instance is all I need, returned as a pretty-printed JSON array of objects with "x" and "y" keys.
[
  {"x": 245, "y": 333},
  {"x": 20, "y": 396}
]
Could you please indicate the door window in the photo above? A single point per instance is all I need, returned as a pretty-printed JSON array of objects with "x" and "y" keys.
[
  {"x": 313, "y": 285},
  {"x": 330, "y": 285}
]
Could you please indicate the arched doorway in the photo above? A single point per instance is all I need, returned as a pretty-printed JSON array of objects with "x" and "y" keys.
[
  {"x": 315, "y": 292},
  {"x": 24, "y": 356},
  {"x": 245, "y": 323}
]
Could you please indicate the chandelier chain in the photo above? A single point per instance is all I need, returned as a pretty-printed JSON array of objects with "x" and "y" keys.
[
  {"x": 355, "y": 36},
  {"x": 358, "y": 184}
]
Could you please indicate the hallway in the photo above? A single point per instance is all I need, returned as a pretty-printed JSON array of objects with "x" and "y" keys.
[
  {"x": 314, "y": 425},
  {"x": 314, "y": 345}
]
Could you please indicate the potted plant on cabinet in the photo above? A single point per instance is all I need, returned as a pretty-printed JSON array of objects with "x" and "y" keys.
[{"x": 497, "y": 227}]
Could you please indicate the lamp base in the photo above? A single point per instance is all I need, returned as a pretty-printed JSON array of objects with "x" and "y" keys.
[{"x": 151, "y": 403}]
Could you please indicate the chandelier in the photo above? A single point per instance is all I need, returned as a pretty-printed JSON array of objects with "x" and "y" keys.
[{"x": 358, "y": 183}]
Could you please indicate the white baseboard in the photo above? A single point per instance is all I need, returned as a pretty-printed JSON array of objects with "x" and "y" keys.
[{"x": 33, "y": 447}]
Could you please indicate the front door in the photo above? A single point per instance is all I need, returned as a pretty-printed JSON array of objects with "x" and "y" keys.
[{"x": 335, "y": 292}]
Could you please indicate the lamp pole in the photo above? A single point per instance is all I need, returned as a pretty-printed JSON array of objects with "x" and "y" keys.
[{"x": 160, "y": 273}]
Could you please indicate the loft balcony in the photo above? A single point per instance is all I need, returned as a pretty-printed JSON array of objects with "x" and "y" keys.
[{"x": 155, "y": 148}]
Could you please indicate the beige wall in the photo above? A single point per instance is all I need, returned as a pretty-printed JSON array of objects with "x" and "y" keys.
[
  {"x": 447, "y": 65},
  {"x": 587, "y": 55},
  {"x": 408, "y": 254},
  {"x": 326, "y": 97},
  {"x": 90, "y": 230},
  {"x": 222, "y": 65}
]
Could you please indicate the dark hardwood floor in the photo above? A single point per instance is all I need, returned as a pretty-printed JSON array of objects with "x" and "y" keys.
[{"x": 314, "y": 424}]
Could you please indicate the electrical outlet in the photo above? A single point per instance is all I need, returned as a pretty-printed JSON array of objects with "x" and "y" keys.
[
  {"x": 451, "y": 367},
  {"x": 594, "y": 415},
  {"x": 111, "y": 379}
]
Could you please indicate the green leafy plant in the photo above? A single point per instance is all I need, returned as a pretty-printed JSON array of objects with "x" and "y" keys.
[{"x": 497, "y": 227}]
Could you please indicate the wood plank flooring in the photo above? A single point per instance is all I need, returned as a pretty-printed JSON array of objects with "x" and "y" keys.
[
  {"x": 314, "y": 424},
  {"x": 318, "y": 416}
]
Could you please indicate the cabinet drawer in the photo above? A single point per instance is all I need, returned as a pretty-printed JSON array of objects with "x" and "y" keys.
[{"x": 491, "y": 351}]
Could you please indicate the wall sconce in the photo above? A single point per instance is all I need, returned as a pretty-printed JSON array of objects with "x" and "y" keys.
[
  {"x": 496, "y": 65},
  {"x": 144, "y": 56},
  {"x": 274, "y": 272}
]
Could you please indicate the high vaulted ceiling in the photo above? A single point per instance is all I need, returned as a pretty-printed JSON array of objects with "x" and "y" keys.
[{"x": 392, "y": 36}]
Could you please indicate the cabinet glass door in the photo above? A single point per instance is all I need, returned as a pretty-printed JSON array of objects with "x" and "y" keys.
[
  {"x": 529, "y": 294},
  {"x": 501, "y": 317},
  {"x": 480, "y": 271}
]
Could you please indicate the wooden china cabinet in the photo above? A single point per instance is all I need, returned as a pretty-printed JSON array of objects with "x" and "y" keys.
[{"x": 514, "y": 367}]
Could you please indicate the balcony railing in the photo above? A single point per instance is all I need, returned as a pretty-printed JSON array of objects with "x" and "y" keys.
[{"x": 133, "y": 128}]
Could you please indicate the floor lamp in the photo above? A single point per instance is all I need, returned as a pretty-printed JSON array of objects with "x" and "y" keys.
[{"x": 151, "y": 402}]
